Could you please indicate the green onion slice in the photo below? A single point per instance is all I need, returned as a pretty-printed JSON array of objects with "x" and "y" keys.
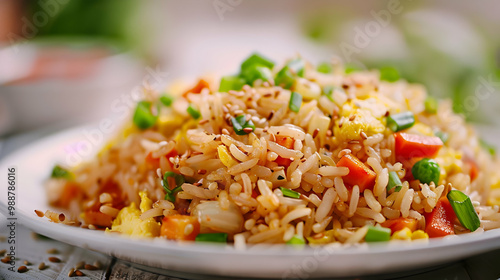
[
  {"x": 394, "y": 182},
  {"x": 170, "y": 192},
  {"x": 377, "y": 234},
  {"x": 442, "y": 135},
  {"x": 426, "y": 171},
  {"x": 464, "y": 210},
  {"x": 295, "y": 102},
  {"x": 400, "y": 121},
  {"x": 296, "y": 240},
  {"x": 328, "y": 92},
  {"x": 228, "y": 83},
  {"x": 389, "y": 74},
  {"x": 289, "y": 193},
  {"x": 256, "y": 59},
  {"x": 195, "y": 114},
  {"x": 255, "y": 73},
  {"x": 431, "y": 105},
  {"x": 488, "y": 147},
  {"x": 166, "y": 100},
  {"x": 59, "y": 172},
  {"x": 143, "y": 117},
  {"x": 284, "y": 78},
  {"x": 212, "y": 237},
  {"x": 297, "y": 66},
  {"x": 240, "y": 123},
  {"x": 324, "y": 68}
]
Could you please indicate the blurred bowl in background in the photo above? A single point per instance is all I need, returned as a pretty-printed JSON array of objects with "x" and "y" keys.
[{"x": 44, "y": 84}]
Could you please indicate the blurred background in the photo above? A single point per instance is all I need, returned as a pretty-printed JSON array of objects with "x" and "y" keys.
[{"x": 66, "y": 62}]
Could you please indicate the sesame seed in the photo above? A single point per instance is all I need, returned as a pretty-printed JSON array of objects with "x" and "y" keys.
[
  {"x": 315, "y": 133},
  {"x": 91, "y": 227},
  {"x": 90, "y": 267},
  {"x": 62, "y": 217},
  {"x": 52, "y": 251},
  {"x": 363, "y": 135},
  {"x": 54, "y": 259},
  {"x": 247, "y": 129},
  {"x": 27, "y": 263},
  {"x": 6, "y": 259},
  {"x": 39, "y": 213},
  {"x": 352, "y": 118},
  {"x": 270, "y": 115},
  {"x": 42, "y": 266},
  {"x": 224, "y": 131},
  {"x": 2, "y": 252},
  {"x": 203, "y": 122},
  {"x": 329, "y": 133},
  {"x": 71, "y": 272},
  {"x": 266, "y": 95},
  {"x": 22, "y": 269}
]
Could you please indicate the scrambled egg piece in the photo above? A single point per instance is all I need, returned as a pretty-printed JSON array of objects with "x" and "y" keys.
[
  {"x": 226, "y": 157},
  {"x": 354, "y": 121},
  {"x": 450, "y": 161},
  {"x": 129, "y": 222}
]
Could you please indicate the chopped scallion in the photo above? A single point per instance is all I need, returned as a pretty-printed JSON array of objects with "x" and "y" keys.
[
  {"x": 324, "y": 68},
  {"x": 170, "y": 192},
  {"x": 256, "y": 59},
  {"x": 488, "y": 147},
  {"x": 255, "y": 73},
  {"x": 464, "y": 210},
  {"x": 212, "y": 237},
  {"x": 328, "y": 92},
  {"x": 241, "y": 126},
  {"x": 166, "y": 100},
  {"x": 295, "y": 102},
  {"x": 59, "y": 172},
  {"x": 389, "y": 74},
  {"x": 228, "y": 83},
  {"x": 143, "y": 117},
  {"x": 400, "y": 121},
  {"x": 289, "y": 193},
  {"x": 195, "y": 114},
  {"x": 394, "y": 182},
  {"x": 442, "y": 135},
  {"x": 297, "y": 66},
  {"x": 296, "y": 240},
  {"x": 377, "y": 234},
  {"x": 284, "y": 78},
  {"x": 431, "y": 105}
]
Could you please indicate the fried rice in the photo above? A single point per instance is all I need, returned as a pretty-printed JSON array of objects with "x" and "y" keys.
[{"x": 287, "y": 155}]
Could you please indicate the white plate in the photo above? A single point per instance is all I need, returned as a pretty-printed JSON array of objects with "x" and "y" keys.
[{"x": 34, "y": 163}]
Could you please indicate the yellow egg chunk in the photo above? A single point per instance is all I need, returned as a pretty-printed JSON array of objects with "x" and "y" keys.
[
  {"x": 224, "y": 156},
  {"x": 129, "y": 222},
  {"x": 145, "y": 202}
]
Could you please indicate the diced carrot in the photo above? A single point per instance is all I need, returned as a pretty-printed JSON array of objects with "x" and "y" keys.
[
  {"x": 473, "y": 168},
  {"x": 174, "y": 227},
  {"x": 197, "y": 88},
  {"x": 255, "y": 194},
  {"x": 286, "y": 142},
  {"x": 359, "y": 173},
  {"x": 152, "y": 163},
  {"x": 440, "y": 221},
  {"x": 400, "y": 223},
  {"x": 97, "y": 218},
  {"x": 416, "y": 146},
  {"x": 71, "y": 191}
]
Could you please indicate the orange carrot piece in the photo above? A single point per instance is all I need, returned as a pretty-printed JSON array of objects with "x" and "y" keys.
[
  {"x": 400, "y": 223},
  {"x": 174, "y": 227},
  {"x": 197, "y": 88},
  {"x": 440, "y": 221},
  {"x": 359, "y": 173},
  {"x": 416, "y": 146},
  {"x": 286, "y": 142}
]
